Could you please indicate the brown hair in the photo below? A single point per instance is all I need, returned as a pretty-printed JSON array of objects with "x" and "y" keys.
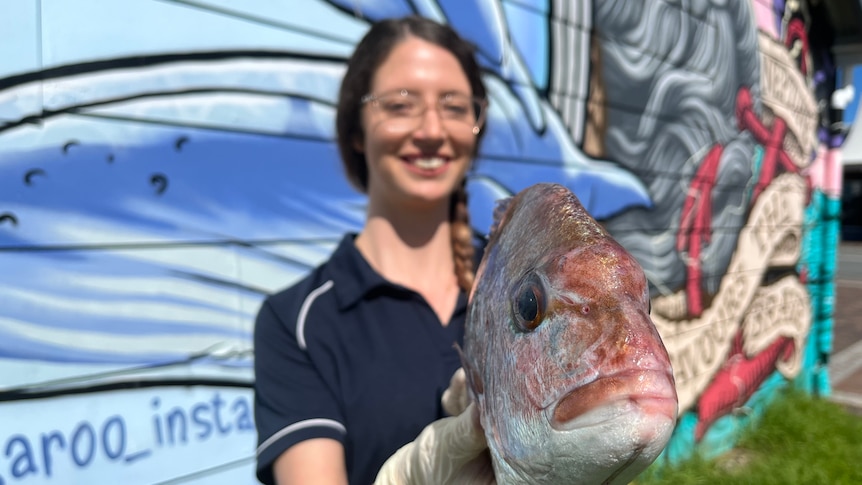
[{"x": 370, "y": 53}]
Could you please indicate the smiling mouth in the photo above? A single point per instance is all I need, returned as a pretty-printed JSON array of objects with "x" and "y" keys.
[
  {"x": 430, "y": 163},
  {"x": 651, "y": 391},
  {"x": 426, "y": 163}
]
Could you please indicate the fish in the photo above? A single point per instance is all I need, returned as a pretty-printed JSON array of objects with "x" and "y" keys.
[{"x": 571, "y": 378}]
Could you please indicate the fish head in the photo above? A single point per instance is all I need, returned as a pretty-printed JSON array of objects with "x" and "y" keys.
[{"x": 571, "y": 377}]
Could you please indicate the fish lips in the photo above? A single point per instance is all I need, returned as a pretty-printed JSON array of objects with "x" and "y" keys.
[{"x": 613, "y": 397}]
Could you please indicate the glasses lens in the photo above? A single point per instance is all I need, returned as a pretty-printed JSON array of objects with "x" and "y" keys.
[
  {"x": 458, "y": 107},
  {"x": 400, "y": 105}
]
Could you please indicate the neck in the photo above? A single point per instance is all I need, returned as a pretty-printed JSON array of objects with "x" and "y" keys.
[{"x": 409, "y": 247}]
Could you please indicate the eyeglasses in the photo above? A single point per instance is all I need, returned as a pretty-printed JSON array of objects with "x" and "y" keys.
[{"x": 407, "y": 108}]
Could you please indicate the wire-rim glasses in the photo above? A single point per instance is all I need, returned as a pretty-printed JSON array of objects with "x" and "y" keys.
[{"x": 405, "y": 105}]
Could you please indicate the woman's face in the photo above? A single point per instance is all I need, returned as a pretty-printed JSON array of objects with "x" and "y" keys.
[{"x": 417, "y": 156}]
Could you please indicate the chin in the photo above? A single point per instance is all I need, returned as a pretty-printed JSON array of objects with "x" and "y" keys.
[
  {"x": 429, "y": 194},
  {"x": 608, "y": 446}
]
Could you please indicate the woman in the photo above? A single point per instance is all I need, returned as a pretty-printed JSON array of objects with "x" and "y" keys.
[{"x": 351, "y": 362}]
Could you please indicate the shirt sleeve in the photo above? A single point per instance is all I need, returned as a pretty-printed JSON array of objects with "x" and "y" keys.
[{"x": 292, "y": 400}]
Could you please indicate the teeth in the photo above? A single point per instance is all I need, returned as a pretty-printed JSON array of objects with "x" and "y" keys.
[{"x": 429, "y": 163}]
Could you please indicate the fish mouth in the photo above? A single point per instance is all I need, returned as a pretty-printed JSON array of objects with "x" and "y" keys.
[{"x": 607, "y": 398}]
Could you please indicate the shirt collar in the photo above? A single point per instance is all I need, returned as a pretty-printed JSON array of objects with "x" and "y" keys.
[
  {"x": 351, "y": 273},
  {"x": 354, "y": 278}
]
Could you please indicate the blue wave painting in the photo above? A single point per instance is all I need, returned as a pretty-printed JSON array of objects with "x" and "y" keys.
[{"x": 155, "y": 187}]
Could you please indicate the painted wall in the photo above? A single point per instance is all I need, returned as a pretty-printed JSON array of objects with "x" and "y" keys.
[{"x": 164, "y": 164}]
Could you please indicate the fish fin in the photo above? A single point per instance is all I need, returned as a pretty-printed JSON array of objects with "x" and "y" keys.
[
  {"x": 461, "y": 354},
  {"x": 474, "y": 382}
]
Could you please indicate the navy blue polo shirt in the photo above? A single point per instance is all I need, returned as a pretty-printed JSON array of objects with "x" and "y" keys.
[{"x": 347, "y": 355}]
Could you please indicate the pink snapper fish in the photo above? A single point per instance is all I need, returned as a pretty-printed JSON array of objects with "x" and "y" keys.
[{"x": 571, "y": 378}]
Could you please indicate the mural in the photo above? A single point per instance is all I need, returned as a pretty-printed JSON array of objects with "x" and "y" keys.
[{"x": 164, "y": 164}]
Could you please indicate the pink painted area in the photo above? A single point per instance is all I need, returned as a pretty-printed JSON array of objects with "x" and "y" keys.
[
  {"x": 834, "y": 172},
  {"x": 816, "y": 172},
  {"x": 765, "y": 17},
  {"x": 736, "y": 382},
  {"x": 825, "y": 172}
]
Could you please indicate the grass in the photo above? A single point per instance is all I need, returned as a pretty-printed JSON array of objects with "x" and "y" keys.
[{"x": 800, "y": 440}]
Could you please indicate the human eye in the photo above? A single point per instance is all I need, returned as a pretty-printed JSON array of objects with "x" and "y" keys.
[
  {"x": 458, "y": 107},
  {"x": 399, "y": 105}
]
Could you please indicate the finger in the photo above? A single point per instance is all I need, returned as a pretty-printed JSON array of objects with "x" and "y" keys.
[
  {"x": 455, "y": 398},
  {"x": 445, "y": 446},
  {"x": 464, "y": 436},
  {"x": 478, "y": 471}
]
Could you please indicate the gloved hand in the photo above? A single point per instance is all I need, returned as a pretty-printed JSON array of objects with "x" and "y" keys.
[
  {"x": 448, "y": 451},
  {"x": 456, "y": 398}
]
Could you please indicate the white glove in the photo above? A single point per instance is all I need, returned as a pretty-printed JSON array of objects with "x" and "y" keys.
[
  {"x": 448, "y": 451},
  {"x": 456, "y": 398}
]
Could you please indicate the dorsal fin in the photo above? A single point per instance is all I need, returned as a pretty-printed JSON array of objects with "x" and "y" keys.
[{"x": 500, "y": 209}]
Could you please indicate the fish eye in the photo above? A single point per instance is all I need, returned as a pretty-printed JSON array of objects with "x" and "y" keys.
[{"x": 528, "y": 305}]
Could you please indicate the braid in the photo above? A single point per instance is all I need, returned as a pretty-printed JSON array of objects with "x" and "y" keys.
[{"x": 462, "y": 238}]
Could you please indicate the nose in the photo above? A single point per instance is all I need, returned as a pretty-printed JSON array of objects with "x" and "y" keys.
[{"x": 430, "y": 126}]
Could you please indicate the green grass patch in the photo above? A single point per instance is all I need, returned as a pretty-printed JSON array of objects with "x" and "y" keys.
[{"x": 798, "y": 440}]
